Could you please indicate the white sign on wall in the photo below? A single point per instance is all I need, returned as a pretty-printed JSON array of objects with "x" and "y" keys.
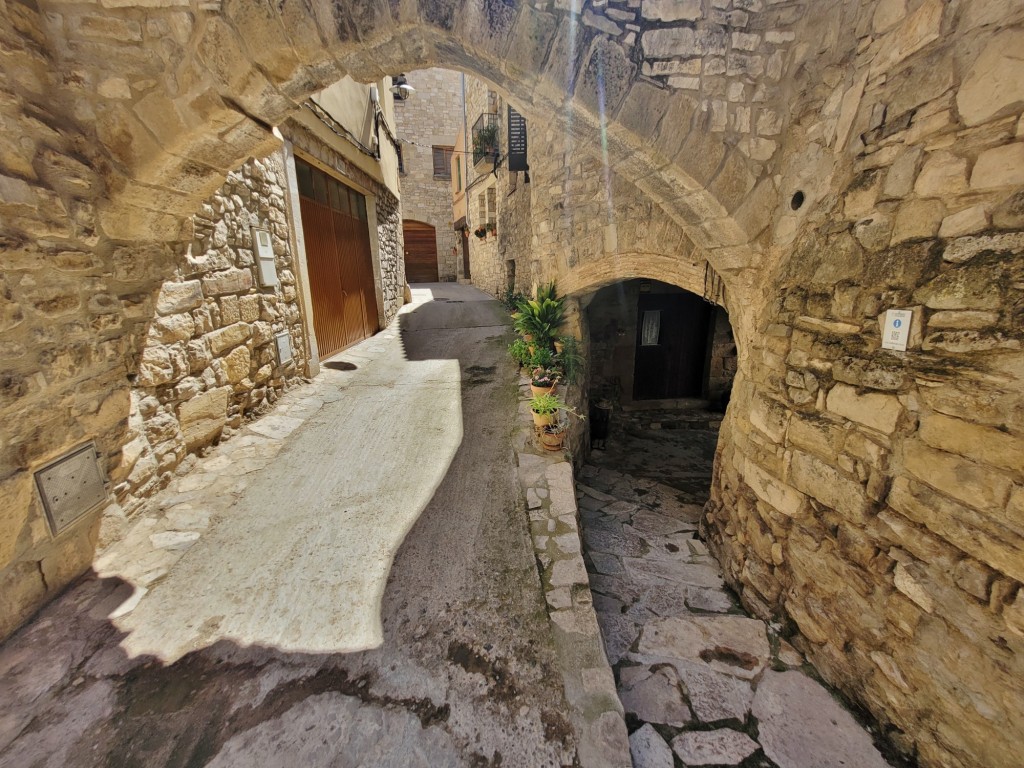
[
  {"x": 264, "y": 248},
  {"x": 897, "y": 329}
]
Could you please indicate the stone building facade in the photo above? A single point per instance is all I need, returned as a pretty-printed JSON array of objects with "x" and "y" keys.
[
  {"x": 210, "y": 357},
  {"x": 432, "y": 117},
  {"x": 829, "y": 160}
]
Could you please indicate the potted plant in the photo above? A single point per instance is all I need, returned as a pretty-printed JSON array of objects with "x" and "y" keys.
[
  {"x": 492, "y": 228},
  {"x": 553, "y": 435},
  {"x": 543, "y": 381},
  {"x": 545, "y": 409},
  {"x": 519, "y": 351},
  {"x": 480, "y": 232},
  {"x": 485, "y": 143},
  {"x": 540, "y": 319}
]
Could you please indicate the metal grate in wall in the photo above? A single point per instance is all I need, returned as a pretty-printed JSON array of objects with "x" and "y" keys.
[{"x": 71, "y": 486}]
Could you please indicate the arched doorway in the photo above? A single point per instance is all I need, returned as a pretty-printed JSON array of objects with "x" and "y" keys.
[{"x": 420, "y": 251}]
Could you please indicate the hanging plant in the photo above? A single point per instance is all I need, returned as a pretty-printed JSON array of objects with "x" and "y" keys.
[{"x": 480, "y": 232}]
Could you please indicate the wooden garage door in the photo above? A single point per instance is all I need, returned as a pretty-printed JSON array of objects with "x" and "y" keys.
[
  {"x": 337, "y": 235},
  {"x": 420, "y": 252}
]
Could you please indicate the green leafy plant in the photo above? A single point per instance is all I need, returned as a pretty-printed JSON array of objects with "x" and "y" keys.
[
  {"x": 539, "y": 319},
  {"x": 485, "y": 140},
  {"x": 546, "y": 404},
  {"x": 519, "y": 351},
  {"x": 571, "y": 359},
  {"x": 511, "y": 298},
  {"x": 542, "y": 357},
  {"x": 548, "y": 291}
]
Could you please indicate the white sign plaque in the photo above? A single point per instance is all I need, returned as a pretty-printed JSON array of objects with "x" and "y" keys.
[{"x": 897, "y": 329}]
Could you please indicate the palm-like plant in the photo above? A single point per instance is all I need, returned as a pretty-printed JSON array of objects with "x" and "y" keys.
[{"x": 539, "y": 318}]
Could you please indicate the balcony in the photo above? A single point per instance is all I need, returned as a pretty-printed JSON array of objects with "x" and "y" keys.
[{"x": 485, "y": 141}]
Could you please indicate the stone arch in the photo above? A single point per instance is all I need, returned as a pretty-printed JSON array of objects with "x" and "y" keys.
[{"x": 168, "y": 125}]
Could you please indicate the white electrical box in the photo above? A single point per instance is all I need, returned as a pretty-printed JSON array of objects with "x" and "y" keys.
[
  {"x": 896, "y": 331},
  {"x": 264, "y": 247},
  {"x": 284, "y": 347}
]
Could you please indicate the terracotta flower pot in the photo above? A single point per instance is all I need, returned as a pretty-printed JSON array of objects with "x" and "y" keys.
[
  {"x": 542, "y": 390},
  {"x": 543, "y": 419},
  {"x": 552, "y": 442}
]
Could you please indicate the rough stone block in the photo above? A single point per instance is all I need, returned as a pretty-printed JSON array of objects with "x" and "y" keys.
[
  {"x": 995, "y": 81},
  {"x": 918, "y": 219},
  {"x": 179, "y": 297},
  {"x": 172, "y": 328},
  {"x": 21, "y": 592},
  {"x": 943, "y": 174},
  {"x": 773, "y": 491},
  {"x": 964, "y": 222},
  {"x": 225, "y": 338},
  {"x": 877, "y": 411},
  {"x": 203, "y": 417},
  {"x": 672, "y": 10},
  {"x": 971, "y": 483},
  {"x": 999, "y": 167},
  {"x": 985, "y": 444},
  {"x": 237, "y": 364},
  {"x": 228, "y": 281},
  {"x": 828, "y": 485},
  {"x": 721, "y": 747}
]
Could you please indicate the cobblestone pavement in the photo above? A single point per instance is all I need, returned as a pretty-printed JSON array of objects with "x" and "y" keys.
[
  {"x": 701, "y": 682},
  {"x": 349, "y": 581}
]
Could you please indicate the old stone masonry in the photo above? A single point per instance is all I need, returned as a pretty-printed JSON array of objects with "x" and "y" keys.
[{"x": 702, "y": 684}]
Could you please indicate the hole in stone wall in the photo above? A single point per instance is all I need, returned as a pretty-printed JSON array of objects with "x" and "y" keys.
[{"x": 797, "y": 201}]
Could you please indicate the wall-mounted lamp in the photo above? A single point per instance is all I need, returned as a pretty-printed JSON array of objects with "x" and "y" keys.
[{"x": 401, "y": 89}]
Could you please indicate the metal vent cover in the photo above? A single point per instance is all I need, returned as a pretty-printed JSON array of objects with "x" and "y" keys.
[
  {"x": 284, "y": 347},
  {"x": 71, "y": 486}
]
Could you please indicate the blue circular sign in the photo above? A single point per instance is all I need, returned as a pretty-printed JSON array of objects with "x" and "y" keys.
[{"x": 897, "y": 323}]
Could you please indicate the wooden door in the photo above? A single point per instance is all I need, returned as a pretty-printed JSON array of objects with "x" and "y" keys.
[
  {"x": 420, "y": 252},
  {"x": 671, "y": 346},
  {"x": 334, "y": 223}
]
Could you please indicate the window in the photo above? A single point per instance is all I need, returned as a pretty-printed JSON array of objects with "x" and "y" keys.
[
  {"x": 492, "y": 205},
  {"x": 442, "y": 162},
  {"x": 458, "y": 174},
  {"x": 401, "y": 158},
  {"x": 650, "y": 331}
]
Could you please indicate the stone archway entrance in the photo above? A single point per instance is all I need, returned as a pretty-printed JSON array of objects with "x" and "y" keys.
[{"x": 888, "y": 481}]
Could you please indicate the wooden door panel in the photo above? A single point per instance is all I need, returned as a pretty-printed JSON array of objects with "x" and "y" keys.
[
  {"x": 325, "y": 280},
  {"x": 340, "y": 263},
  {"x": 420, "y": 252}
]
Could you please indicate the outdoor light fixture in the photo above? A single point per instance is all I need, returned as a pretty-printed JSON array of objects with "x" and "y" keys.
[{"x": 401, "y": 88}]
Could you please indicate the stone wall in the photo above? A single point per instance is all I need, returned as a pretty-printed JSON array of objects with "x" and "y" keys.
[
  {"x": 871, "y": 499},
  {"x": 723, "y": 357},
  {"x": 432, "y": 116},
  {"x": 209, "y": 358}
]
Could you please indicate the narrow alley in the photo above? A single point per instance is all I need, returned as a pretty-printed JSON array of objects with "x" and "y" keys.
[
  {"x": 349, "y": 581},
  {"x": 702, "y": 683}
]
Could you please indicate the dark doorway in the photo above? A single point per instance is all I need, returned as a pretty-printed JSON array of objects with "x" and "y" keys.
[
  {"x": 465, "y": 253},
  {"x": 671, "y": 346}
]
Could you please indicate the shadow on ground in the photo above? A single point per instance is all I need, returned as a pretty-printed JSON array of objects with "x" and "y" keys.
[{"x": 463, "y": 674}]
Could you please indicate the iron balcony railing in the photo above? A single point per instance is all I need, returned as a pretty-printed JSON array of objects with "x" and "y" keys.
[{"x": 485, "y": 137}]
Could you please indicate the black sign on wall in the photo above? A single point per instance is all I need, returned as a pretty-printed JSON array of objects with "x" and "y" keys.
[{"x": 517, "y": 142}]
